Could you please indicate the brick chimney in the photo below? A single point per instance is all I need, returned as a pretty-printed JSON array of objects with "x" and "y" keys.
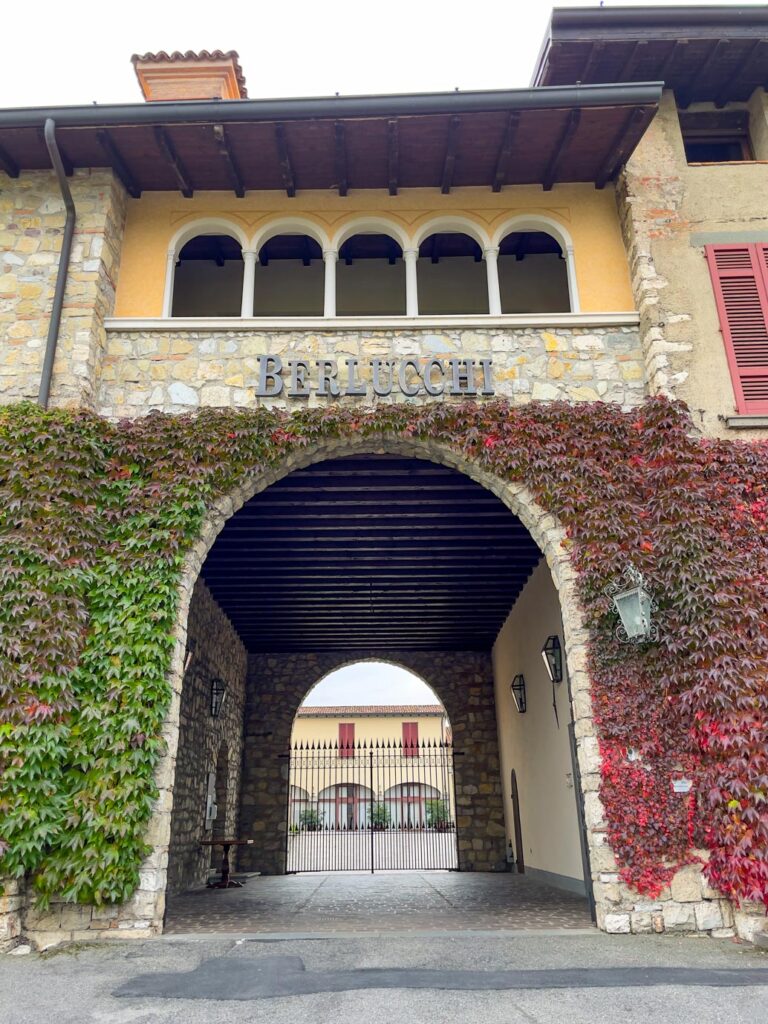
[{"x": 213, "y": 75}]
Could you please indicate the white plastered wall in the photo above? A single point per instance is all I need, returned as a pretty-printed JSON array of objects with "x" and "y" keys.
[{"x": 531, "y": 743}]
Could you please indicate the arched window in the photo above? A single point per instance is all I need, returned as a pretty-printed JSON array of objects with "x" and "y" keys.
[
  {"x": 208, "y": 279},
  {"x": 451, "y": 275},
  {"x": 289, "y": 277},
  {"x": 370, "y": 277},
  {"x": 533, "y": 274}
]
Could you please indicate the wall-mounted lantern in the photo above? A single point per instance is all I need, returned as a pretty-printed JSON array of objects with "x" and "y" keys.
[
  {"x": 190, "y": 652},
  {"x": 218, "y": 694},
  {"x": 552, "y": 653},
  {"x": 517, "y": 687},
  {"x": 634, "y": 604}
]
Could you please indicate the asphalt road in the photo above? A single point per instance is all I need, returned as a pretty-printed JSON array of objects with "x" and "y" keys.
[{"x": 467, "y": 978}]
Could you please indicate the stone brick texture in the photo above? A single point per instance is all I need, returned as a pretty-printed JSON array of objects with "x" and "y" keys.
[
  {"x": 277, "y": 684},
  {"x": 32, "y": 217},
  {"x": 204, "y": 740},
  {"x": 175, "y": 370}
]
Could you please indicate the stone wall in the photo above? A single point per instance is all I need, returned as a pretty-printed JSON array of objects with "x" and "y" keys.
[
  {"x": 175, "y": 370},
  {"x": 669, "y": 212},
  {"x": 277, "y": 684},
  {"x": 32, "y": 217},
  {"x": 218, "y": 653}
]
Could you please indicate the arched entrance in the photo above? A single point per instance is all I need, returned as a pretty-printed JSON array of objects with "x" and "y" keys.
[
  {"x": 438, "y": 562},
  {"x": 371, "y": 782}
]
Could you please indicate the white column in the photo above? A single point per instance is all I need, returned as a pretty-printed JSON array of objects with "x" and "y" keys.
[
  {"x": 410, "y": 256},
  {"x": 170, "y": 270},
  {"x": 330, "y": 257},
  {"x": 573, "y": 288},
  {"x": 249, "y": 281},
  {"x": 491, "y": 257}
]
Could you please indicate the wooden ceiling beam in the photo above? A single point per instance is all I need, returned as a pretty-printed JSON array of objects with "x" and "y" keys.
[
  {"x": 340, "y": 151},
  {"x": 729, "y": 86},
  {"x": 677, "y": 48},
  {"x": 284, "y": 159},
  {"x": 166, "y": 147},
  {"x": 504, "y": 159},
  {"x": 619, "y": 147},
  {"x": 639, "y": 50},
  {"x": 449, "y": 161},
  {"x": 225, "y": 152},
  {"x": 117, "y": 163},
  {"x": 685, "y": 98},
  {"x": 393, "y": 156},
  {"x": 594, "y": 53},
  {"x": 8, "y": 165},
  {"x": 561, "y": 148}
]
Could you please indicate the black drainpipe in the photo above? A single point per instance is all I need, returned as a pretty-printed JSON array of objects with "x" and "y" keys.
[{"x": 61, "y": 278}]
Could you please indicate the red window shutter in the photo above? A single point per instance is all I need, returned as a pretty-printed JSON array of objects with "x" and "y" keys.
[
  {"x": 346, "y": 739},
  {"x": 410, "y": 739},
  {"x": 740, "y": 281}
]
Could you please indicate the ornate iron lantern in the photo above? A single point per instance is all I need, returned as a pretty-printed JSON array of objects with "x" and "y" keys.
[
  {"x": 218, "y": 695},
  {"x": 517, "y": 686},
  {"x": 634, "y": 604},
  {"x": 552, "y": 653}
]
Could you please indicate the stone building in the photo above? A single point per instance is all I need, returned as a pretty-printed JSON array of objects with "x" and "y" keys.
[{"x": 599, "y": 237}]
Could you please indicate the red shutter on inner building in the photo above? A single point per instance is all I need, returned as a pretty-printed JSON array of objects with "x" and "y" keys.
[
  {"x": 410, "y": 739},
  {"x": 740, "y": 281},
  {"x": 346, "y": 739}
]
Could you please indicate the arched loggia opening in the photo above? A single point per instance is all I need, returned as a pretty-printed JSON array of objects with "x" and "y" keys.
[
  {"x": 208, "y": 277},
  {"x": 533, "y": 274},
  {"x": 405, "y": 560},
  {"x": 289, "y": 277},
  {"x": 370, "y": 277},
  {"x": 452, "y": 277}
]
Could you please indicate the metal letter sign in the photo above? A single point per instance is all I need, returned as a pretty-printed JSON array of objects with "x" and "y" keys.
[{"x": 410, "y": 376}]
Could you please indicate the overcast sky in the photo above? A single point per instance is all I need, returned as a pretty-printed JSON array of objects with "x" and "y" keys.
[
  {"x": 66, "y": 53},
  {"x": 370, "y": 682}
]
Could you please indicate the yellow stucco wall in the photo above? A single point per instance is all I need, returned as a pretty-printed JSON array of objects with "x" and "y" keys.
[
  {"x": 367, "y": 728},
  {"x": 587, "y": 215},
  {"x": 532, "y": 743},
  {"x": 393, "y": 771}
]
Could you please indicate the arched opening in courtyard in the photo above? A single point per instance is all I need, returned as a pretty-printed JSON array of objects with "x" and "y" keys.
[{"x": 382, "y": 556}]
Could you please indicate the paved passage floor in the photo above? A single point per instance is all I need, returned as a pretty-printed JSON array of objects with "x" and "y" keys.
[{"x": 386, "y": 902}]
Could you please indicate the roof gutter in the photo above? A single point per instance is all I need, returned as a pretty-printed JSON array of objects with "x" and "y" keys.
[
  {"x": 49, "y": 132},
  {"x": 234, "y": 111},
  {"x": 736, "y": 17}
]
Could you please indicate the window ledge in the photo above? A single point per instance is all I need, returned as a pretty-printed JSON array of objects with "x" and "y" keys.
[
  {"x": 746, "y": 422},
  {"x": 346, "y": 323}
]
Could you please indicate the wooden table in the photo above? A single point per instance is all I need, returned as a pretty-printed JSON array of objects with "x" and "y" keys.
[{"x": 226, "y": 882}]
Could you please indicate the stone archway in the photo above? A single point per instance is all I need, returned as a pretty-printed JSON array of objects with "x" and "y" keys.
[
  {"x": 463, "y": 681},
  {"x": 545, "y": 531}
]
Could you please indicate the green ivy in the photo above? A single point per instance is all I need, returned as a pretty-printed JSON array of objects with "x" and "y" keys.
[{"x": 96, "y": 519}]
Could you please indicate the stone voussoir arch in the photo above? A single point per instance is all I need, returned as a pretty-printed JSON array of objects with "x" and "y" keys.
[{"x": 545, "y": 530}]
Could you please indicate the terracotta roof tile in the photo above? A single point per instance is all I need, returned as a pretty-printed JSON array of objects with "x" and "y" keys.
[{"x": 163, "y": 56}]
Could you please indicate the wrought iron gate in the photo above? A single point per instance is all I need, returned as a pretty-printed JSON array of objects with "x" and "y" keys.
[{"x": 371, "y": 806}]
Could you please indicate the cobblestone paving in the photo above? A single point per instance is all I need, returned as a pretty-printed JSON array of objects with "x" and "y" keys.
[{"x": 414, "y": 901}]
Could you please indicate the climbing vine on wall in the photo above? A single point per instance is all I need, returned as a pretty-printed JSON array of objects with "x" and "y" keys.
[{"x": 96, "y": 519}]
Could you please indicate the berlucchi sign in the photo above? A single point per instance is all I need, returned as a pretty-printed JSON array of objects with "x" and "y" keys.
[{"x": 333, "y": 378}]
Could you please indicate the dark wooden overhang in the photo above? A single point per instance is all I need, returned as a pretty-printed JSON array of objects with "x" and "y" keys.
[
  {"x": 704, "y": 54},
  {"x": 371, "y": 551},
  {"x": 438, "y": 140}
]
